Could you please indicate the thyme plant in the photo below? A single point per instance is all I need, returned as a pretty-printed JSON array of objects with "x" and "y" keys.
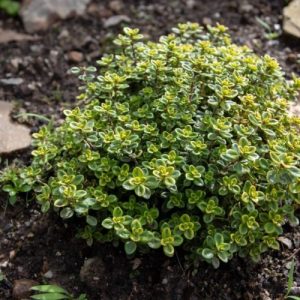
[{"x": 181, "y": 142}]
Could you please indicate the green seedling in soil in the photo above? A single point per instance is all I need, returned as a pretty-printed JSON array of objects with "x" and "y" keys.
[
  {"x": 291, "y": 282},
  {"x": 2, "y": 276},
  {"x": 53, "y": 292},
  {"x": 10, "y": 7},
  {"x": 24, "y": 116},
  {"x": 181, "y": 143},
  {"x": 270, "y": 34}
]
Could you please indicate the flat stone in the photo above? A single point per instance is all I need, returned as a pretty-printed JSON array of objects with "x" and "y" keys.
[
  {"x": 75, "y": 56},
  {"x": 115, "y": 20},
  {"x": 295, "y": 109},
  {"x": 11, "y": 81},
  {"x": 7, "y": 36},
  {"x": 116, "y": 5},
  {"x": 286, "y": 242},
  {"x": 38, "y": 15},
  {"x": 21, "y": 288},
  {"x": 12, "y": 136},
  {"x": 291, "y": 19}
]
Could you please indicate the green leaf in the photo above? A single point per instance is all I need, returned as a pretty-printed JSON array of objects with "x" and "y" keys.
[
  {"x": 127, "y": 185},
  {"x": 294, "y": 171},
  {"x": 107, "y": 223},
  {"x": 207, "y": 253},
  {"x": 91, "y": 220},
  {"x": 223, "y": 256},
  {"x": 49, "y": 288},
  {"x": 219, "y": 239},
  {"x": 66, "y": 213},
  {"x": 50, "y": 296},
  {"x": 269, "y": 228},
  {"x": 60, "y": 202},
  {"x": 117, "y": 212},
  {"x": 130, "y": 247},
  {"x": 168, "y": 250}
]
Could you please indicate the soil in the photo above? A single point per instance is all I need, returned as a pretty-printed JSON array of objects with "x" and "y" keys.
[{"x": 32, "y": 244}]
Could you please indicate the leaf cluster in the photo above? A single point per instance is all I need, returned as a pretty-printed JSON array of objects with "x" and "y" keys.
[{"x": 181, "y": 142}]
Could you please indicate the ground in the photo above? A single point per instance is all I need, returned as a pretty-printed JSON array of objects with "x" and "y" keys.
[{"x": 32, "y": 244}]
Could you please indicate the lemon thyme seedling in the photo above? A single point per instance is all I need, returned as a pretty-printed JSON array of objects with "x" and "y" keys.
[{"x": 185, "y": 142}]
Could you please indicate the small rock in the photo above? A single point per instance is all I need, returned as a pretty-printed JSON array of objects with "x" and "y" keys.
[
  {"x": 13, "y": 36},
  {"x": 115, "y": 20},
  {"x": 92, "y": 267},
  {"x": 245, "y": 7},
  {"x": 291, "y": 20},
  {"x": 15, "y": 62},
  {"x": 4, "y": 264},
  {"x": 12, "y": 81},
  {"x": 286, "y": 242},
  {"x": 21, "y": 288},
  {"x": 295, "y": 109},
  {"x": 12, "y": 136},
  {"x": 207, "y": 21},
  {"x": 136, "y": 263},
  {"x": 12, "y": 254},
  {"x": 116, "y": 5},
  {"x": 165, "y": 281},
  {"x": 64, "y": 34},
  {"x": 295, "y": 291},
  {"x": 48, "y": 275},
  {"x": 38, "y": 15},
  {"x": 190, "y": 3},
  {"x": 99, "y": 10},
  {"x": 75, "y": 56}
]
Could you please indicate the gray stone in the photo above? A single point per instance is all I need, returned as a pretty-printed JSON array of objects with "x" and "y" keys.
[
  {"x": 48, "y": 274},
  {"x": 116, "y": 20},
  {"x": 286, "y": 242},
  {"x": 291, "y": 18},
  {"x": 245, "y": 7},
  {"x": 12, "y": 81},
  {"x": 38, "y": 15},
  {"x": 12, "y": 136},
  {"x": 295, "y": 109},
  {"x": 116, "y": 5}
]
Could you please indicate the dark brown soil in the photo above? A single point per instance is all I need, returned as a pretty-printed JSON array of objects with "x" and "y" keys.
[{"x": 32, "y": 244}]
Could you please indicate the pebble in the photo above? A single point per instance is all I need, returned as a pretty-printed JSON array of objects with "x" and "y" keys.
[
  {"x": 246, "y": 7},
  {"x": 21, "y": 288},
  {"x": 12, "y": 136},
  {"x": 39, "y": 15},
  {"x": 48, "y": 275},
  {"x": 12, "y": 81},
  {"x": 16, "y": 62},
  {"x": 190, "y": 4},
  {"x": 75, "y": 56},
  {"x": 291, "y": 20},
  {"x": 115, "y": 20},
  {"x": 295, "y": 291},
  {"x": 207, "y": 21},
  {"x": 287, "y": 242},
  {"x": 116, "y": 5},
  {"x": 12, "y": 254}
]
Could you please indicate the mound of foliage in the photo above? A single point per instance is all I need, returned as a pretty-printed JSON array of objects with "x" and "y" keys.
[{"x": 182, "y": 142}]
